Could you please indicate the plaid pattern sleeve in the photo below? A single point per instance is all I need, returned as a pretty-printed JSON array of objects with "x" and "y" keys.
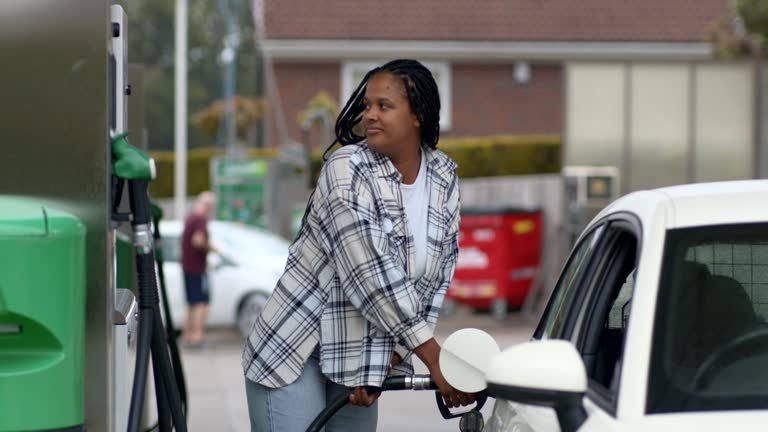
[
  {"x": 449, "y": 254},
  {"x": 351, "y": 231}
]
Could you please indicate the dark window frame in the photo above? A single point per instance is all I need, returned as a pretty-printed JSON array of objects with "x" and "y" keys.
[
  {"x": 613, "y": 265},
  {"x": 579, "y": 282}
]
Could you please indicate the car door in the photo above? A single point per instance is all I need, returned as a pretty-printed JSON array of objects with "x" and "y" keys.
[
  {"x": 557, "y": 319},
  {"x": 225, "y": 279},
  {"x": 590, "y": 307}
]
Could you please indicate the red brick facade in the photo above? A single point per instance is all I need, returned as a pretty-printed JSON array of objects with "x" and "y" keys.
[
  {"x": 298, "y": 83},
  {"x": 486, "y": 100},
  {"x": 494, "y": 20}
]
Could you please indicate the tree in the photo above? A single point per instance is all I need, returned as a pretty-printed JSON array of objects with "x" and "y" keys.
[
  {"x": 151, "y": 43},
  {"x": 248, "y": 110},
  {"x": 754, "y": 13}
]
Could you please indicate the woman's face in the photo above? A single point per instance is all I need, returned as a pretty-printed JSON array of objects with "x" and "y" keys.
[{"x": 391, "y": 127}]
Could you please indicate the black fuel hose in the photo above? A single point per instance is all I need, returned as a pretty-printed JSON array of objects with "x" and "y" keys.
[
  {"x": 152, "y": 339},
  {"x": 329, "y": 411},
  {"x": 170, "y": 332},
  {"x": 400, "y": 382}
]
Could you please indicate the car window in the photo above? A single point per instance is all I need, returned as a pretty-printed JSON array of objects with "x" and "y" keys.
[
  {"x": 564, "y": 293},
  {"x": 248, "y": 240},
  {"x": 710, "y": 340},
  {"x": 618, "y": 316},
  {"x": 601, "y": 334}
]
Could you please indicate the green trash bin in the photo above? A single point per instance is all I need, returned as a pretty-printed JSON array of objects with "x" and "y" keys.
[{"x": 42, "y": 317}]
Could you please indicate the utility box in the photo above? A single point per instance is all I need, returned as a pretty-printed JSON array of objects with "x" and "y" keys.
[
  {"x": 588, "y": 189},
  {"x": 42, "y": 317},
  {"x": 499, "y": 257}
]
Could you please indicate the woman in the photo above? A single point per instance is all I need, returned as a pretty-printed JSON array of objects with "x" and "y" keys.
[{"x": 368, "y": 271}]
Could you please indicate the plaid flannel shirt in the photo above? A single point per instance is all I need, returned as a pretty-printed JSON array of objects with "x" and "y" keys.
[{"x": 347, "y": 283}]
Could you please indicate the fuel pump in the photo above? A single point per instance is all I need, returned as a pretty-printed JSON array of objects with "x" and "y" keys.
[
  {"x": 42, "y": 317},
  {"x": 133, "y": 168},
  {"x": 130, "y": 165}
]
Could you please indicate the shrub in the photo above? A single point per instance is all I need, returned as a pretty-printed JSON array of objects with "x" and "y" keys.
[{"x": 489, "y": 156}]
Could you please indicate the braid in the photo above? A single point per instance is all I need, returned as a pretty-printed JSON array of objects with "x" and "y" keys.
[{"x": 423, "y": 98}]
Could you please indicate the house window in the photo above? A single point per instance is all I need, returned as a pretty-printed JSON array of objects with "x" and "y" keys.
[{"x": 353, "y": 72}]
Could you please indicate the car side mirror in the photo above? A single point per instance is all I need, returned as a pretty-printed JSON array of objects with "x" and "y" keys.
[{"x": 544, "y": 373}]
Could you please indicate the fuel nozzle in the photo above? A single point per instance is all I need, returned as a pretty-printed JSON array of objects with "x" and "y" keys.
[
  {"x": 130, "y": 163},
  {"x": 408, "y": 382}
]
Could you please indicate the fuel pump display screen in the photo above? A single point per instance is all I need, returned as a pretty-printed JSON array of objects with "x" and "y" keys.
[{"x": 599, "y": 187}]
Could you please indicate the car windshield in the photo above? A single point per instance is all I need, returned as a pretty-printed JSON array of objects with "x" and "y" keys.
[
  {"x": 710, "y": 340},
  {"x": 248, "y": 241},
  {"x": 235, "y": 242}
]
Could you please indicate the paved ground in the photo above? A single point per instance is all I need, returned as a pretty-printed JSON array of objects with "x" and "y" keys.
[{"x": 217, "y": 395}]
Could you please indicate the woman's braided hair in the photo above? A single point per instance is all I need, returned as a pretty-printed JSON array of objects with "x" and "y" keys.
[{"x": 423, "y": 99}]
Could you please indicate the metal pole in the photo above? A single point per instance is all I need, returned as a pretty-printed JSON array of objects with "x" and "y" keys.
[
  {"x": 232, "y": 44},
  {"x": 180, "y": 112},
  {"x": 759, "y": 127},
  {"x": 228, "y": 58},
  {"x": 272, "y": 90}
]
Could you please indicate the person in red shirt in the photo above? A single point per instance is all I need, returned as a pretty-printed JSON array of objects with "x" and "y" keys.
[{"x": 195, "y": 245}]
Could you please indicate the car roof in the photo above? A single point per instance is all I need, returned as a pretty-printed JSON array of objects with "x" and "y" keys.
[{"x": 700, "y": 204}]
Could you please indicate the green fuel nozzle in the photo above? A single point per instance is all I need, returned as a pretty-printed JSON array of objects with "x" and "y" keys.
[
  {"x": 130, "y": 163},
  {"x": 157, "y": 211}
]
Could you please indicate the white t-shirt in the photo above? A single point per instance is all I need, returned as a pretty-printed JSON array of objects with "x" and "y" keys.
[{"x": 416, "y": 202}]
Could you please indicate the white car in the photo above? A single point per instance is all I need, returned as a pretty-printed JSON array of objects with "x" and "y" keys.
[
  {"x": 240, "y": 278},
  {"x": 657, "y": 322}
]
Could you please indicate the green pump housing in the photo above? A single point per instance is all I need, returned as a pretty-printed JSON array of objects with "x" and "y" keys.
[{"x": 42, "y": 317}]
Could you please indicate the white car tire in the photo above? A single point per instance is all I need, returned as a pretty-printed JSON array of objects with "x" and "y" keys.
[{"x": 250, "y": 308}]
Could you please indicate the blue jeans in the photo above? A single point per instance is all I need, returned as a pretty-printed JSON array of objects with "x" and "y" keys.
[{"x": 293, "y": 408}]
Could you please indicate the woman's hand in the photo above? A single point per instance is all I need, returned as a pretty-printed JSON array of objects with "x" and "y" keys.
[
  {"x": 396, "y": 360},
  {"x": 361, "y": 397},
  {"x": 453, "y": 398},
  {"x": 429, "y": 353}
]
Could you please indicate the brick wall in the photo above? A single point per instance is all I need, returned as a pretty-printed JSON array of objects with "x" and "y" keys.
[
  {"x": 298, "y": 83},
  {"x": 486, "y": 99}
]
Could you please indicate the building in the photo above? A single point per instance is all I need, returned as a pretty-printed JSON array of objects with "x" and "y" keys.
[{"x": 500, "y": 64}]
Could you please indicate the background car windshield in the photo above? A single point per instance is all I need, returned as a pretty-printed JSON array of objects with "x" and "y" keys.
[
  {"x": 171, "y": 248},
  {"x": 710, "y": 341},
  {"x": 248, "y": 240}
]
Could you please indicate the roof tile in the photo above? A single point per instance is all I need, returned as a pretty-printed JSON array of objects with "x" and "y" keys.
[{"x": 494, "y": 20}]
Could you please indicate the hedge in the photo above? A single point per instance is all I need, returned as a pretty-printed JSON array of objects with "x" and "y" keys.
[
  {"x": 198, "y": 169},
  {"x": 488, "y": 156}
]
